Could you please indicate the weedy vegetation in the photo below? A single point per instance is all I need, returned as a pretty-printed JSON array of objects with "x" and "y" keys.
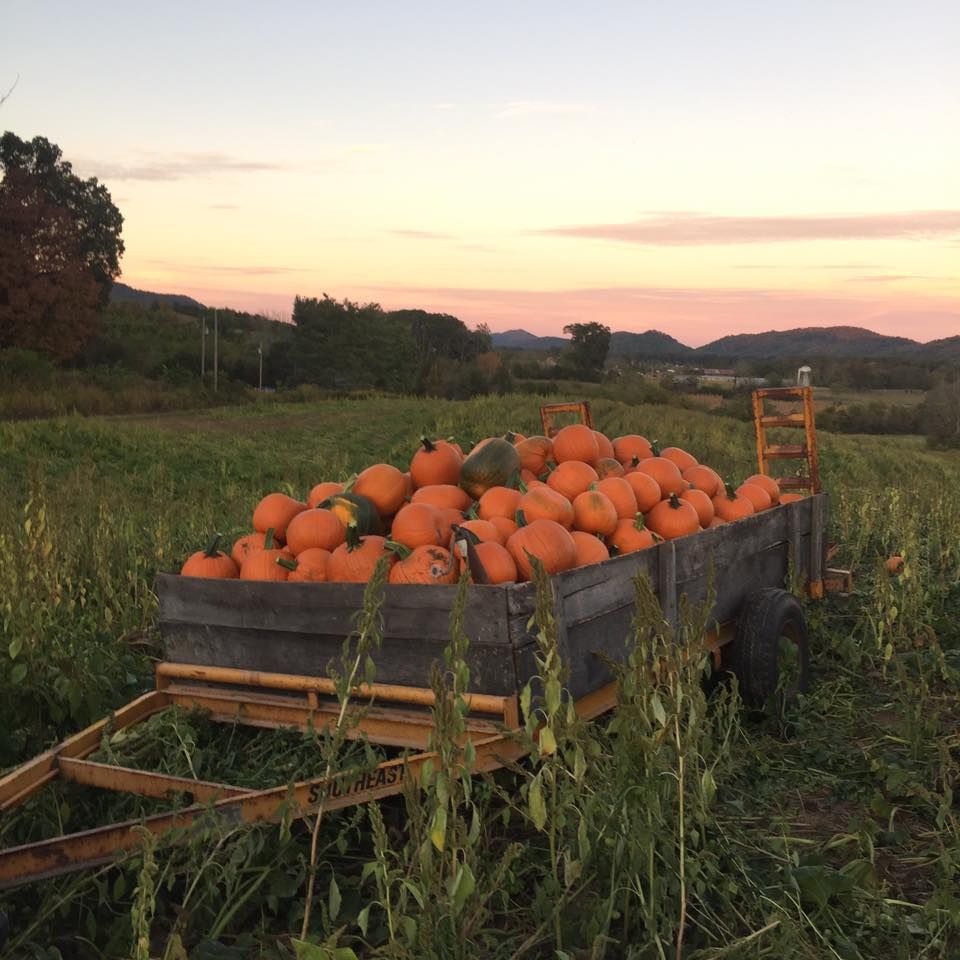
[{"x": 679, "y": 826}]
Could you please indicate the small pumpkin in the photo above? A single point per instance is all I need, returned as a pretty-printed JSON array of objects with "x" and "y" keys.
[
  {"x": 632, "y": 535},
  {"x": 248, "y": 544},
  {"x": 435, "y": 462},
  {"x": 443, "y": 496},
  {"x": 449, "y": 517},
  {"x": 310, "y": 566},
  {"x": 593, "y": 512},
  {"x": 315, "y": 528},
  {"x": 355, "y": 560},
  {"x": 632, "y": 447},
  {"x": 505, "y": 527},
  {"x": 322, "y": 491},
  {"x": 264, "y": 564},
  {"x": 701, "y": 503},
  {"x": 384, "y": 486},
  {"x": 534, "y": 453},
  {"x": 665, "y": 472},
  {"x": 894, "y": 565},
  {"x": 575, "y": 442},
  {"x": 673, "y": 518},
  {"x": 756, "y": 495},
  {"x": 416, "y": 525},
  {"x": 729, "y": 505},
  {"x": 274, "y": 512},
  {"x": 703, "y": 478},
  {"x": 546, "y": 540},
  {"x": 483, "y": 530},
  {"x": 621, "y": 495},
  {"x": 210, "y": 562},
  {"x": 646, "y": 490},
  {"x": 604, "y": 446},
  {"x": 545, "y": 503},
  {"x": 426, "y": 564},
  {"x": 590, "y": 548},
  {"x": 609, "y": 467},
  {"x": 682, "y": 459},
  {"x": 499, "y": 502},
  {"x": 768, "y": 484},
  {"x": 791, "y": 497},
  {"x": 491, "y": 465},
  {"x": 571, "y": 478},
  {"x": 497, "y": 563}
]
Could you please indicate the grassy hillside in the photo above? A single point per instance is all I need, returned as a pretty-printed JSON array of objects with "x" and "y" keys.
[{"x": 832, "y": 833}]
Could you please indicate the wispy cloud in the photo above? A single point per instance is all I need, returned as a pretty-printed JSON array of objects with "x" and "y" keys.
[
  {"x": 530, "y": 108},
  {"x": 422, "y": 235},
  {"x": 704, "y": 230},
  {"x": 180, "y": 166}
]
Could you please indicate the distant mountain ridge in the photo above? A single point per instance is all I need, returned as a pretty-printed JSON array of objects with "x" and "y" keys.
[{"x": 121, "y": 293}]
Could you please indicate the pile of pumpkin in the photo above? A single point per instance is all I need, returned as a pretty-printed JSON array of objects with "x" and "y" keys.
[{"x": 576, "y": 499}]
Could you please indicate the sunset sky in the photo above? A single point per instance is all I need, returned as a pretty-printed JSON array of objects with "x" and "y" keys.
[{"x": 701, "y": 168}]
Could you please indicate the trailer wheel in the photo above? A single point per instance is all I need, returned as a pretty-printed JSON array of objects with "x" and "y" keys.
[{"x": 770, "y": 654}]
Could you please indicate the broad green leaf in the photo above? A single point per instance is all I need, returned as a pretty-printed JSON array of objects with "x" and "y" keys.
[
  {"x": 538, "y": 809},
  {"x": 333, "y": 901},
  {"x": 551, "y": 696},
  {"x": 438, "y": 828},
  {"x": 658, "y": 712},
  {"x": 548, "y": 742}
]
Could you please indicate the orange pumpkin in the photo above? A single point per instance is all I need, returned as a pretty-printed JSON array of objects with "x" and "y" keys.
[
  {"x": 894, "y": 565},
  {"x": 646, "y": 490},
  {"x": 546, "y": 540},
  {"x": 665, "y": 472},
  {"x": 544, "y": 503},
  {"x": 534, "y": 452},
  {"x": 756, "y": 495},
  {"x": 729, "y": 505},
  {"x": 247, "y": 544},
  {"x": 498, "y": 502},
  {"x": 355, "y": 560},
  {"x": 604, "y": 446},
  {"x": 505, "y": 527},
  {"x": 575, "y": 442},
  {"x": 701, "y": 503},
  {"x": 768, "y": 484},
  {"x": 681, "y": 458},
  {"x": 442, "y": 496},
  {"x": 609, "y": 467},
  {"x": 311, "y": 566},
  {"x": 450, "y": 517},
  {"x": 210, "y": 562},
  {"x": 384, "y": 486},
  {"x": 426, "y": 564},
  {"x": 274, "y": 512},
  {"x": 673, "y": 518},
  {"x": 416, "y": 525},
  {"x": 621, "y": 495},
  {"x": 315, "y": 528},
  {"x": 435, "y": 462},
  {"x": 791, "y": 497},
  {"x": 718, "y": 522},
  {"x": 498, "y": 566},
  {"x": 264, "y": 564},
  {"x": 590, "y": 548},
  {"x": 323, "y": 490},
  {"x": 632, "y": 535},
  {"x": 483, "y": 530},
  {"x": 593, "y": 512},
  {"x": 571, "y": 478},
  {"x": 703, "y": 478},
  {"x": 630, "y": 447}
]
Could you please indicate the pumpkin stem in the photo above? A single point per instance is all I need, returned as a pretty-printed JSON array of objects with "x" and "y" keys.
[
  {"x": 510, "y": 437},
  {"x": 461, "y": 533},
  {"x": 731, "y": 491},
  {"x": 638, "y": 521},
  {"x": 400, "y": 549},
  {"x": 349, "y": 482},
  {"x": 428, "y": 444},
  {"x": 514, "y": 480},
  {"x": 656, "y": 537},
  {"x": 655, "y": 448},
  {"x": 522, "y": 487},
  {"x": 634, "y": 462},
  {"x": 520, "y": 519},
  {"x": 211, "y": 548},
  {"x": 353, "y": 536},
  {"x": 674, "y": 501},
  {"x": 471, "y": 513},
  {"x": 268, "y": 539},
  {"x": 287, "y": 564}
]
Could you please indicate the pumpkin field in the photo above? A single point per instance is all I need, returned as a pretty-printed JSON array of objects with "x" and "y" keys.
[{"x": 681, "y": 825}]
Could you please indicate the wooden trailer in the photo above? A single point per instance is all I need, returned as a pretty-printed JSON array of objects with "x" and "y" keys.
[{"x": 258, "y": 653}]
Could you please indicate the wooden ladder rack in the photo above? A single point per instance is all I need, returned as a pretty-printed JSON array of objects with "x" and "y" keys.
[{"x": 803, "y": 418}]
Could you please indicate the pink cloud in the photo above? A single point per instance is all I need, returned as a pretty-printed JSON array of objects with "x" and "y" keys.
[{"x": 694, "y": 229}]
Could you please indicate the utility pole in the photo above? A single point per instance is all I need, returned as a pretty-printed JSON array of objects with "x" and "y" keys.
[
  {"x": 216, "y": 336},
  {"x": 260, "y": 375}
]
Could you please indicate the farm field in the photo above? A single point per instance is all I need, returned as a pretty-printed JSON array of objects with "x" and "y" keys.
[{"x": 831, "y": 832}]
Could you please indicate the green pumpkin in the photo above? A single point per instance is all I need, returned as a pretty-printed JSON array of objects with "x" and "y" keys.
[
  {"x": 354, "y": 508},
  {"x": 494, "y": 464}
]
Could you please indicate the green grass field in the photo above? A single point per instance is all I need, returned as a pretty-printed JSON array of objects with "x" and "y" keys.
[{"x": 833, "y": 832}]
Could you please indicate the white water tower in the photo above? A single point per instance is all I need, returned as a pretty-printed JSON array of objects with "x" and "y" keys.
[{"x": 804, "y": 376}]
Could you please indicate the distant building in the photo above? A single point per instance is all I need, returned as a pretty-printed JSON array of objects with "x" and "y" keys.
[{"x": 804, "y": 376}]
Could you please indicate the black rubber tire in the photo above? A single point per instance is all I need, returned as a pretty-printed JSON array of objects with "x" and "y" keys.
[{"x": 771, "y": 625}]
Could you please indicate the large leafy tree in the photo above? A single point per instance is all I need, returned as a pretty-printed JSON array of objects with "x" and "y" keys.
[
  {"x": 60, "y": 249},
  {"x": 589, "y": 344}
]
